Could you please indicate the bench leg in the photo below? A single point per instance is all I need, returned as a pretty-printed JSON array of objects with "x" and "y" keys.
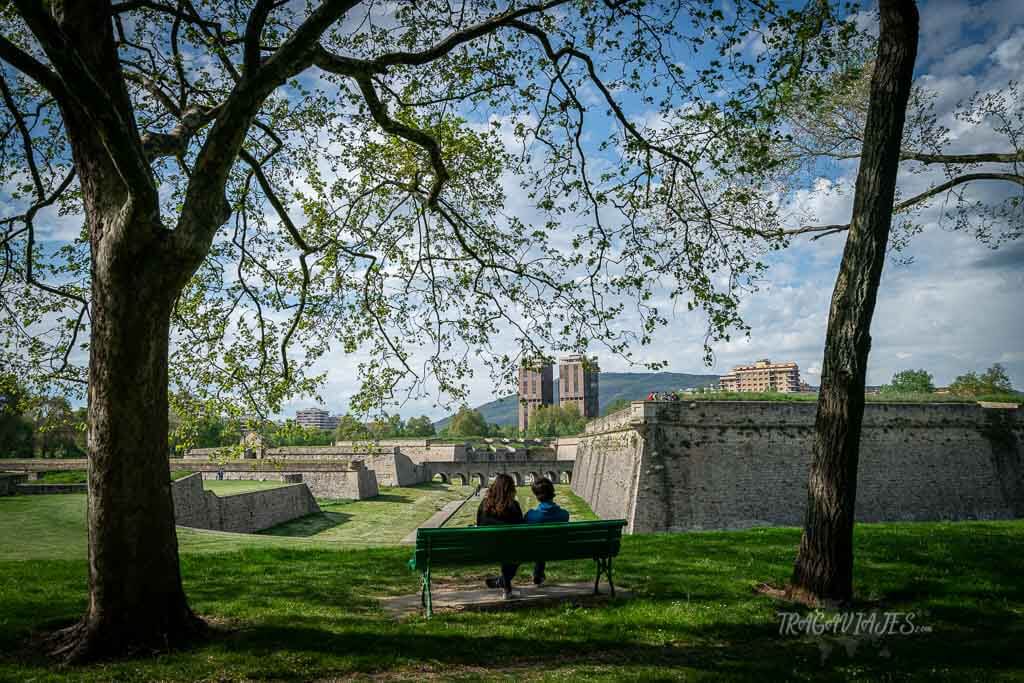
[
  {"x": 604, "y": 566},
  {"x": 430, "y": 603}
]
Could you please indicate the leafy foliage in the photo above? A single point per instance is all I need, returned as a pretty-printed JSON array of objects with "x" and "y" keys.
[
  {"x": 409, "y": 187},
  {"x": 550, "y": 421},
  {"x": 467, "y": 422},
  {"x": 910, "y": 382},
  {"x": 992, "y": 381}
]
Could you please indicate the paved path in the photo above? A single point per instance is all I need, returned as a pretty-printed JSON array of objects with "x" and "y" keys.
[
  {"x": 484, "y": 598},
  {"x": 436, "y": 520}
]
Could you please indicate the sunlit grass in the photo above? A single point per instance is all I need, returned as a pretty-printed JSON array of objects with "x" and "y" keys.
[{"x": 302, "y": 609}]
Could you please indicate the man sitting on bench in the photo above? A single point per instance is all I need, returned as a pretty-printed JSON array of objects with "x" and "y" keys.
[{"x": 546, "y": 511}]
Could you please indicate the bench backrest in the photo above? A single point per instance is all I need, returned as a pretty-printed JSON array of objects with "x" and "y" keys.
[{"x": 517, "y": 543}]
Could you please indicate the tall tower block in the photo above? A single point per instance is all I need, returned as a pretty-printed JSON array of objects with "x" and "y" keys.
[
  {"x": 536, "y": 388},
  {"x": 578, "y": 383}
]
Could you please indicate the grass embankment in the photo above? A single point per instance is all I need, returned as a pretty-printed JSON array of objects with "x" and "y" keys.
[
  {"x": 308, "y": 611},
  {"x": 228, "y": 487},
  {"x": 384, "y": 520},
  {"x": 53, "y": 527}
]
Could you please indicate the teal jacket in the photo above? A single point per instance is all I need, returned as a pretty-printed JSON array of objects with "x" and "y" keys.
[{"x": 546, "y": 512}]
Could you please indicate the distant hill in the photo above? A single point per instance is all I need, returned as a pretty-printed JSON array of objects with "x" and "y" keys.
[{"x": 630, "y": 386}]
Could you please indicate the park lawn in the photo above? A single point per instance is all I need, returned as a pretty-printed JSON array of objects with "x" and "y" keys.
[
  {"x": 301, "y": 613},
  {"x": 384, "y": 520},
  {"x": 229, "y": 487},
  {"x": 62, "y": 477},
  {"x": 578, "y": 509},
  {"x": 53, "y": 526}
]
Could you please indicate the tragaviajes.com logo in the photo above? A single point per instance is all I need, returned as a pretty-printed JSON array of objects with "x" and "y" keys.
[
  {"x": 850, "y": 624},
  {"x": 849, "y": 630}
]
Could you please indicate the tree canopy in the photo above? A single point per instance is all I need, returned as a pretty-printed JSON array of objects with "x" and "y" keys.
[
  {"x": 468, "y": 422},
  {"x": 910, "y": 382},
  {"x": 550, "y": 421},
  {"x": 422, "y": 180},
  {"x": 991, "y": 382}
]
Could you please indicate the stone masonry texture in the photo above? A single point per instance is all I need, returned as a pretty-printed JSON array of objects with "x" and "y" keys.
[
  {"x": 678, "y": 466},
  {"x": 244, "y": 513}
]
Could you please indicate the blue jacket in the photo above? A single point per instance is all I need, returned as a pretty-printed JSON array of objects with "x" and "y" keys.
[{"x": 546, "y": 512}]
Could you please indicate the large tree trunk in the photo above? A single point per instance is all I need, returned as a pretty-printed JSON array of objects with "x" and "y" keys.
[
  {"x": 823, "y": 573},
  {"x": 136, "y": 600}
]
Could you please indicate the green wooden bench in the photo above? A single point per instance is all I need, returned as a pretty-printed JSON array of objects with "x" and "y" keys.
[{"x": 517, "y": 543}]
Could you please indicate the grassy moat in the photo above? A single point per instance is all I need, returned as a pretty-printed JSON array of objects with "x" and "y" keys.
[{"x": 303, "y": 606}]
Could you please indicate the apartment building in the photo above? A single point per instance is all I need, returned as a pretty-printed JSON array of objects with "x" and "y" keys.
[
  {"x": 762, "y": 375},
  {"x": 315, "y": 418},
  {"x": 536, "y": 389},
  {"x": 578, "y": 383}
]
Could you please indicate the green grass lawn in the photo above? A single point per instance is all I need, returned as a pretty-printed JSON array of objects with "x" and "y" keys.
[
  {"x": 384, "y": 520},
  {"x": 229, "y": 487},
  {"x": 578, "y": 509},
  {"x": 53, "y": 527},
  {"x": 62, "y": 477},
  {"x": 301, "y": 609}
]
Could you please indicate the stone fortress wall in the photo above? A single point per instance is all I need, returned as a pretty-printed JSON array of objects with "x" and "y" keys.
[
  {"x": 392, "y": 462},
  {"x": 243, "y": 513},
  {"x": 678, "y": 466}
]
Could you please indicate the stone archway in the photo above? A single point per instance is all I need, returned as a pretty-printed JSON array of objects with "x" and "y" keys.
[
  {"x": 478, "y": 478},
  {"x": 531, "y": 477},
  {"x": 516, "y": 477},
  {"x": 441, "y": 477},
  {"x": 552, "y": 476},
  {"x": 460, "y": 478},
  {"x": 565, "y": 478}
]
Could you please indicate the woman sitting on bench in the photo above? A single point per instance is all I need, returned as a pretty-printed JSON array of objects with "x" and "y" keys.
[{"x": 500, "y": 506}]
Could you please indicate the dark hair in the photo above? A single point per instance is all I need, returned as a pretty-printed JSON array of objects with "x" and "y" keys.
[
  {"x": 501, "y": 495},
  {"x": 544, "y": 490}
]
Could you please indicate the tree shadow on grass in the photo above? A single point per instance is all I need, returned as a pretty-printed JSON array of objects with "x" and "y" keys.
[
  {"x": 389, "y": 498},
  {"x": 731, "y": 650},
  {"x": 310, "y": 525}
]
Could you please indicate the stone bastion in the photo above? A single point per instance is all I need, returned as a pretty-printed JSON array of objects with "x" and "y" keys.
[{"x": 679, "y": 466}]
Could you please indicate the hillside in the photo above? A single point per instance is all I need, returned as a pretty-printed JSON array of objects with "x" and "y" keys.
[{"x": 631, "y": 386}]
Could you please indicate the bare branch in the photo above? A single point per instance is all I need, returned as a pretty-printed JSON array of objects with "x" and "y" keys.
[{"x": 989, "y": 157}]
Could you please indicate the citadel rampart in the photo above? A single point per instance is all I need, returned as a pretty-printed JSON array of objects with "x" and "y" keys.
[
  {"x": 677, "y": 466},
  {"x": 406, "y": 462}
]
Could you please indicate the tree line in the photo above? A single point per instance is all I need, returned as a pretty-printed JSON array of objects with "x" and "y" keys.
[{"x": 993, "y": 382}]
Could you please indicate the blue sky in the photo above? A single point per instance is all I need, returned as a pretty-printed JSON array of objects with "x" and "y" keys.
[{"x": 956, "y": 307}]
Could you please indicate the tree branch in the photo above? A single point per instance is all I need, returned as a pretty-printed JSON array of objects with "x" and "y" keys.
[
  {"x": 34, "y": 69},
  {"x": 989, "y": 157},
  {"x": 414, "y": 135},
  {"x": 823, "y": 230},
  {"x": 206, "y": 209}
]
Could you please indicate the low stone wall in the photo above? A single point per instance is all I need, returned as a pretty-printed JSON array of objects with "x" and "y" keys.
[
  {"x": 9, "y": 482},
  {"x": 675, "y": 466},
  {"x": 241, "y": 513}
]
